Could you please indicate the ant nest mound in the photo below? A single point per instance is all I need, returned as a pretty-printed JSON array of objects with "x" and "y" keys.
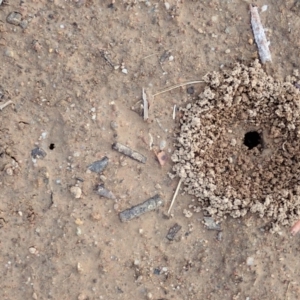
[{"x": 238, "y": 149}]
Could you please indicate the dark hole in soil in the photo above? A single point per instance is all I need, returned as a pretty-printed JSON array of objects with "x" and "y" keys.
[
  {"x": 252, "y": 139},
  {"x": 52, "y": 146}
]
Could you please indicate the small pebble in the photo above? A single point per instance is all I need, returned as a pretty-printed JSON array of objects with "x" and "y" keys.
[
  {"x": 167, "y": 5},
  {"x": 190, "y": 90},
  {"x": 171, "y": 58},
  {"x": 14, "y": 18},
  {"x": 32, "y": 250},
  {"x": 76, "y": 192},
  {"x": 114, "y": 125},
  {"x": 264, "y": 8},
  {"x": 9, "y": 171},
  {"x": 162, "y": 145},
  {"x": 227, "y": 51},
  {"x": 220, "y": 236},
  {"x": 8, "y": 52},
  {"x": 250, "y": 41},
  {"x": 250, "y": 261},
  {"x": 124, "y": 71}
]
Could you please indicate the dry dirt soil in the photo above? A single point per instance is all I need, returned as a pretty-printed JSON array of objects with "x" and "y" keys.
[{"x": 74, "y": 70}]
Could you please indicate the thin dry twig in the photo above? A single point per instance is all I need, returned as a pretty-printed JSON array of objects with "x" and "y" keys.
[
  {"x": 145, "y": 104},
  {"x": 287, "y": 289},
  {"x": 177, "y": 86},
  {"x": 175, "y": 195},
  {"x": 174, "y": 112},
  {"x": 5, "y": 104},
  {"x": 259, "y": 35}
]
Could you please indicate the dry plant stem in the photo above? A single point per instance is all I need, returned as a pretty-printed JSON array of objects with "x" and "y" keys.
[
  {"x": 175, "y": 195},
  {"x": 145, "y": 104},
  {"x": 296, "y": 228},
  {"x": 5, "y": 104},
  {"x": 174, "y": 112},
  {"x": 259, "y": 35},
  {"x": 177, "y": 86}
]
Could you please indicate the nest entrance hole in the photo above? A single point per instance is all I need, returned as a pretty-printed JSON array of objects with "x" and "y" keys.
[{"x": 252, "y": 139}]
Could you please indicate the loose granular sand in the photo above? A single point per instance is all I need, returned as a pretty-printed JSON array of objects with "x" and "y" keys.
[{"x": 238, "y": 148}]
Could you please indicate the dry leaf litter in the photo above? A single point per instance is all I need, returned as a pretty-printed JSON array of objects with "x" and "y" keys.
[{"x": 238, "y": 148}]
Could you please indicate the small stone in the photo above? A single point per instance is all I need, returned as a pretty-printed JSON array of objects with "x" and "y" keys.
[
  {"x": 264, "y": 8},
  {"x": 34, "y": 296},
  {"x": 162, "y": 145},
  {"x": 211, "y": 224},
  {"x": 124, "y": 71},
  {"x": 171, "y": 58},
  {"x": 250, "y": 41},
  {"x": 82, "y": 297},
  {"x": 158, "y": 186},
  {"x": 190, "y": 90},
  {"x": 32, "y": 250},
  {"x": 78, "y": 221},
  {"x": 114, "y": 125},
  {"x": 24, "y": 24},
  {"x": 14, "y": 18},
  {"x": 167, "y": 5},
  {"x": 38, "y": 153},
  {"x": 79, "y": 268},
  {"x": 136, "y": 262},
  {"x": 8, "y": 52},
  {"x": 220, "y": 236},
  {"x": 227, "y": 51},
  {"x": 250, "y": 261},
  {"x": 9, "y": 171},
  {"x": 76, "y": 192},
  {"x": 149, "y": 296},
  {"x": 103, "y": 178},
  {"x": 214, "y": 18}
]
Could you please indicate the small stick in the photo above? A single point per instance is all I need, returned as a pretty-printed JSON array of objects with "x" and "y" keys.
[
  {"x": 5, "y": 104},
  {"x": 259, "y": 35},
  {"x": 140, "y": 209},
  {"x": 129, "y": 152},
  {"x": 177, "y": 86},
  {"x": 106, "y": 58},
  {"x": 150, "y": 141},
  {"x": 174, "y": 112},
  {"x": 287, "y": 290},
  {"x": 175, "y": 195},
  {"x": 145, "y": 104}
]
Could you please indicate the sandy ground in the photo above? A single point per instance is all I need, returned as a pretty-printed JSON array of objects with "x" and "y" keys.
[{"x": 59, "y": 67}]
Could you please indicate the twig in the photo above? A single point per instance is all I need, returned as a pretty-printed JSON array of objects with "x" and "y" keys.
[
  {"x": 150, "y": 141},
  {"x": 145, "y": 104},
  {"x": 106, "y": 58},
  {"x": 177, "y": 86},
  {"x": 287, "y": 290},
  {"x": 174, "y": 112},
  {"x": 259, "y": 35},
  {"x": 175, "y": 195},
  {"x": 5, "y": 104}
]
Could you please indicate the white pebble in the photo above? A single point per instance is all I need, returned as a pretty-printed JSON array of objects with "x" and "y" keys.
[
  {"x": 76, "y": 191},
  {"x": 227, "y": 51},
  {"x": 124, "y": 71},
  {"x": 250, "y": 261},
  {"x": 162, "y": 145},
  {"x": 264, "y": 8},
  {"x": 32, "y": 250},
  {"x": 167, "y": 5},
  {"x": 171, "y": 58}
]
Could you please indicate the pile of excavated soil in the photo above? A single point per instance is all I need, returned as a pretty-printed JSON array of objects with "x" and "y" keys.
[{"x": 238, "y": 149}]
